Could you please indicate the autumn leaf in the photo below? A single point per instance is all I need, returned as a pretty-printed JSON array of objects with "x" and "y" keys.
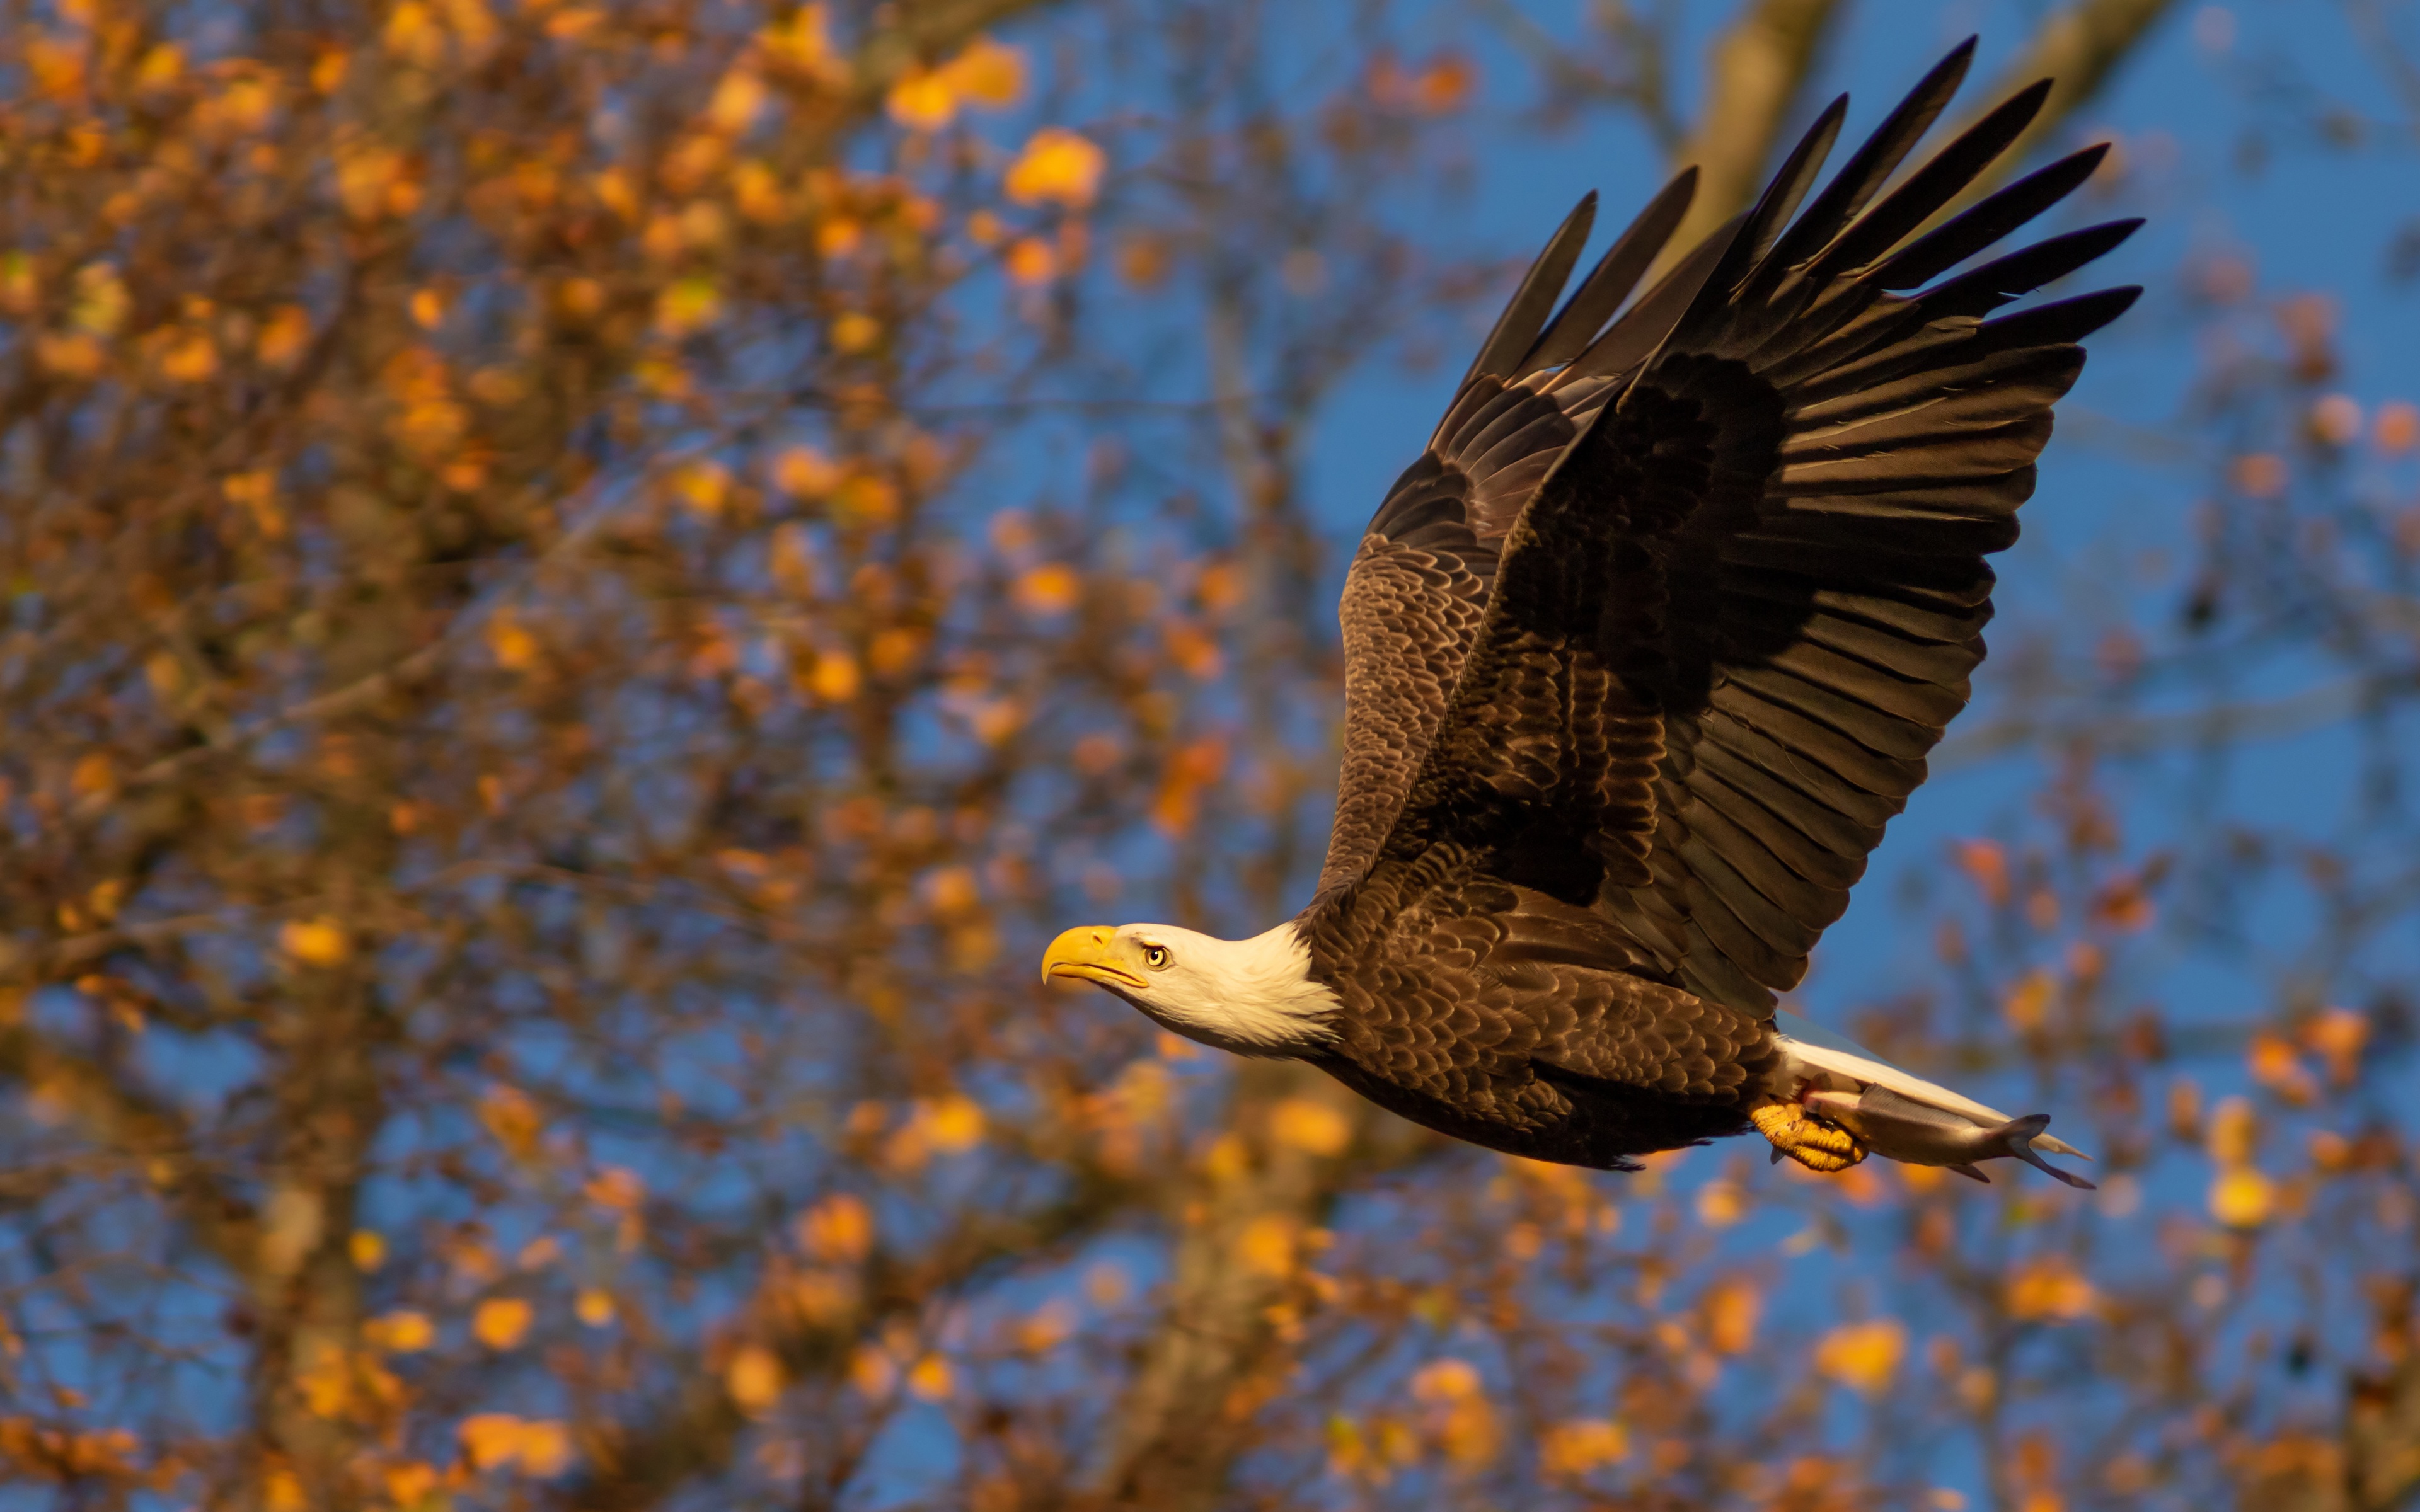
[
  {"x": 1314, "y": 1128},
  {"x": 1863, "y": 1356},
  {"x": 500, "y": 1322},
  {"x": 2242, "y": 1196},
  {"x": 1267, "y": 1245},
  {"x": 1057, "y": 166},
  {"x": 402, "y": 1332},
  {"x": 316, "y": 942},
  {"x": 754, "y": 1380},
  {"x": 2050, "y": 1289},
  {"x": 1569, "y": 1450}
]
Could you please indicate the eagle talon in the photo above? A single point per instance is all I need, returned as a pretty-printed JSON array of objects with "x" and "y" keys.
[{"x": 1810, "y": 1142}]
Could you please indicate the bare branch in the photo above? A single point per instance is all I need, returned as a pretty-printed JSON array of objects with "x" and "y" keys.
[
  {"x": 2078, "y": 49},
  {"x": 1752, "y": 75},
  {"x": 141, "y": 1131}
]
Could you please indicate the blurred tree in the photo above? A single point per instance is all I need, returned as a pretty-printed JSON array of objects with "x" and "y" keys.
[{"x": 585, "y": 580}]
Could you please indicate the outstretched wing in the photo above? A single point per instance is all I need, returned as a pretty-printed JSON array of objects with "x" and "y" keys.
[
  {"x": 1418, "y": 586},
  {"x": 1727, "y": 627}
]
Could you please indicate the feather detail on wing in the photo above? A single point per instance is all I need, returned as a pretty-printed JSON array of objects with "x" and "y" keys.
[
  {"x": 1711, "y": 650},
  {"x": 1418, "y": 583}
]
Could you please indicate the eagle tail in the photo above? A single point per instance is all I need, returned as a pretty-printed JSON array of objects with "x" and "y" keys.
[{"x": 1898, "y": 1114}]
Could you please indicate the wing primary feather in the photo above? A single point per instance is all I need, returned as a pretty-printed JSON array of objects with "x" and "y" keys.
[
  {"x": 1936, "y": 184},
  {"x": 2062, "y": 320},
  {"x": 1517, "y": 327},
  {"x": 2019, "y": 274},
  {"x": 1764, "y": 222},
  {"x": 1862, "y": 175},
  {"x": 1944, "y": 248},
  {"x": 1615, "y": 275},
  {"x": 1643, "y": 326}
]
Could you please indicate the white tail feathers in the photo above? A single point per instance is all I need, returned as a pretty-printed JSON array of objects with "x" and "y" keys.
[{"x": 1903, "y": 1115}]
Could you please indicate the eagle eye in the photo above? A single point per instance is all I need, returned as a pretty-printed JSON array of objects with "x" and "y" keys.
[{"x": 1155, "y": 957}]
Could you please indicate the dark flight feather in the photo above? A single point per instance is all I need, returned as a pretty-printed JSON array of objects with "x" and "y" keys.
[{"x": 1649, "y": 645}]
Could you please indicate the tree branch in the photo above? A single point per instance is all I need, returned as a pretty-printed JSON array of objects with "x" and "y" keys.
[
  {"x": 1752, "y": 75},
  {"x": 1188, "y": 1412},
  {"x": 140, "y": 1131},
  {"x": 2078, "y": 49}
]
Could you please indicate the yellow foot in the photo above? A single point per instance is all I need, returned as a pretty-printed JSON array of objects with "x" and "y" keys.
[{"x": 1817, "y": 1146}]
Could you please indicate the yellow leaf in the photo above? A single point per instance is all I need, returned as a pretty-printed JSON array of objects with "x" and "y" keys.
[
  {"x": 688, "y": 306},
  {"x": 736, "y": 101},
  {"x": 500, "y": 1322},
  {"x": 803, "y": 472},
  {"x": 840, "y": 1229},
  {"x": 988, "y": 73},
  {"x": 754, "y": 1380},
  {"x": 544, "y": 1449},
  {"x": 1314, "y": 1128},
  {"x": 95, "y": 772},
  {"x": 931, "y": 1380},
  {"x": 835, "y": 677},
  {"x": 864, "y": 499},
  {"x": 2242, "y": 1197},
  {"x": 872, "y": 1373},
  {"x": 513, "y": 1117},
  {"x": 2050, "y": 1289},
  {"x": 368, "y": 1248},
  {"x": 2028, "y": 1004},
  {"x": 2234, "y": 1132},
  {"x": 922, "y": 100},
  {"x": 703, "y": 486},
  {"x": 284, "y": 336},
  {"x": 1052, "y": 588},
  {"x": 316, "y": 942},
  {"x": 403, "y": 1331},
  {"x": 855, "y": 331},
  {"x": 951, "y": 1125},
  {"x": 595, "y": 1309},
  {"x": 1731, "y": 1307},
  {"x": 1266, "y": 1245},
  {"x": 489, "y": 1439},
  {"x": 804, "y": 44},
  {"x": 368, "y": 179},
  {"x": 512, "y": 645},
  {"x": 1446, "y": 1381},
  {"x": 1571, "y": 1449},
  {"x": 410, "y": 1484},
  {"x": 1057, "y": 166},
  {"x": 69, "y": 355},
  {"x": 161, "y": 67},
  {"x": 100, "y": 302},
  {"x": 1862, "y": 1356},
  {"x": 1721, "y": 1203},
  {"x": 1030, "y": 261},
  {"x": 2338, "y": 1035},
  {"x": 189, "y": 358},
  {"x": 617, "y": 1187}
]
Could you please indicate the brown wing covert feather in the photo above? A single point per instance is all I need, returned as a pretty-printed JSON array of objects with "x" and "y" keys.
[{"x": 1417, "y": 586}]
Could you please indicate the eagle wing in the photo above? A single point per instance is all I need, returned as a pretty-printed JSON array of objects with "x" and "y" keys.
[
  {"x": 1418, "y": 586},
  {"x": 1727, "y": 627}
]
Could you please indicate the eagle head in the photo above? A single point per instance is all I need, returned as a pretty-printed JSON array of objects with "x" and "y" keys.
[{"x": 1255, "y": 996}]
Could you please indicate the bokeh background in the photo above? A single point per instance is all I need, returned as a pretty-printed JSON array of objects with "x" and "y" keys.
[{"x": 588, "y": 582}]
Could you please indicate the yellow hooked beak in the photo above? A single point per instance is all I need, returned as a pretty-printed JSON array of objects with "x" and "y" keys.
[{"x": 1091, "y": 952}]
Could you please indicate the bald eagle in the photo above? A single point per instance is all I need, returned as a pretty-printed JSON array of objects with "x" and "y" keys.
[{"x": 1643, "y": 652}]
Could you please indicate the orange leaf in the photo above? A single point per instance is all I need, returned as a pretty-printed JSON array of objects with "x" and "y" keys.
[
  {"x": 1057, "y": 166},
  {"x": 500, "y": 1322}
]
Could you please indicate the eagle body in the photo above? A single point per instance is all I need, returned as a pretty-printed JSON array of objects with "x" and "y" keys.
[{"x": 1644, "y": 650}]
